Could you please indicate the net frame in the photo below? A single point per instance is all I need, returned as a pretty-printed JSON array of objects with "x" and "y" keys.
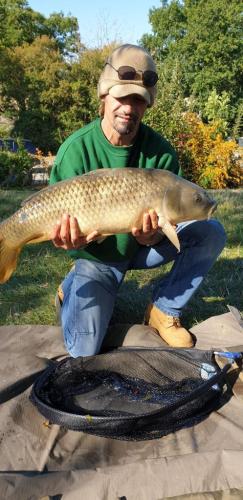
[{"x": 184, "y": 411}]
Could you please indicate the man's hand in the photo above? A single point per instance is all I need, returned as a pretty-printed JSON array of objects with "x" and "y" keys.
[
  {"x": 67, "y": 235},
  {"x": 148, "y": 235}
]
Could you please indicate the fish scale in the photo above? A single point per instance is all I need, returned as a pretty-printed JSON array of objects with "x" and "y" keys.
[{"x": 110, "y": 201}]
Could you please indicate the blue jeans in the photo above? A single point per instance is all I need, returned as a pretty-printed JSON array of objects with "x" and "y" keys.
[{"x": 90, "y": 289}]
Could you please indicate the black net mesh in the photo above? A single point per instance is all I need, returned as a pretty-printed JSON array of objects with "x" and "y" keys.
[{"x": 130, "y": 393}]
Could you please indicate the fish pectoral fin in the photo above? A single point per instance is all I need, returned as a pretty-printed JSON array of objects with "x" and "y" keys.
[{"x": 169, "y": 231}]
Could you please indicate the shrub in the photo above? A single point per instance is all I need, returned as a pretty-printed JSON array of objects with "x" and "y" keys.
[
  {"x": 15, "y": 167},
  {"x": 217, "y": 109},
  {"x": 207, "y": 158},
  {"x": 5, "y": 165}
]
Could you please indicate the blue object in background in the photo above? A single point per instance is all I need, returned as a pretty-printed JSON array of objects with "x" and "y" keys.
[
  {"x": 12, "y": 145},
  {"x": 232, "y": 355}
]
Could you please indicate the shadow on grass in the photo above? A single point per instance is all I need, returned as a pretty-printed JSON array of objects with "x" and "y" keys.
[
  {"x": 28, "y": 297},
  {"x": 222, "y": 286}
]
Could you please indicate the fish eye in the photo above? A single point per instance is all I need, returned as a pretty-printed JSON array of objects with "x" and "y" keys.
[{"x": 198, "y": 198}]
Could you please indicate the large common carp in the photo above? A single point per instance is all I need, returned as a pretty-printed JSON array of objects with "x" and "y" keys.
[{"x": 110, "y": 201}]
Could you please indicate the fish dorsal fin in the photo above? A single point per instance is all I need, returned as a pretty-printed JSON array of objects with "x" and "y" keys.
[
  {"x": 99, "y": 172},
  {"x": 26, "y": 200},
  {"x": 37, "y": 193},
  {"x": 51, "y": 187},
  {"x": 92, "y": 173}
]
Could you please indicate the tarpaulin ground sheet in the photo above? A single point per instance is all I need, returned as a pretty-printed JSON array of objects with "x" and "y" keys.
[{"x": 40, "y": 460}]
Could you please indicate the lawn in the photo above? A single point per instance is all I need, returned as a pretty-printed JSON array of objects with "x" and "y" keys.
[{"x": 28, "y": 297}]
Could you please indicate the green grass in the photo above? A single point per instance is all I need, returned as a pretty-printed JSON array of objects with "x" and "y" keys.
[{"x": 28, "y": 297}]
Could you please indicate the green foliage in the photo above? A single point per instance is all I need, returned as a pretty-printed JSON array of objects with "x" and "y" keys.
[
  {"x": 12, "y": 81},
  {"x": 20, "y": 24},
  {"x": 206, "y": 37},
  {"x": 167, "y": 115},
  {"x": 48, "y": 80},
  {"x": 217, "y": 108},
  {"x": 91, "y": 64},
  {"x": 5, "y": 165},
  {"x": 237, "y": 130},
  {"x": 5, "y": 131},
  {"x": 169, "y": 27},
  {"x": 15, "y": 167},
  {"x": 64, "y": 30},
  {"x": 207, "y": 158},
  {"x": 48, "y": 95}
]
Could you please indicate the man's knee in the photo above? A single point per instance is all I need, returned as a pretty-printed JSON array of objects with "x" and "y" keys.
[
  {"x": 82, "y": 343},
  {"x": 215, "y": 234},
  {"x": 207, "y": 233}
]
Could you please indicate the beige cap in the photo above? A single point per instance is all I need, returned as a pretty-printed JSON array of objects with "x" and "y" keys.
[{"x": 127, "y": 55}]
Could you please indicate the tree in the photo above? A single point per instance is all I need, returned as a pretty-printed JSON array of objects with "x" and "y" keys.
[
  {"x": 45, "y": 95},
  {"x": 168, "y": 28},
  {"x": 43, "y": 88},
  {"x": 205, "y": 36},
  {"x": 167, "y": 116},
  {"x": 64, "y": 30},
  {"x": 91, "y": 63},
  {"x": 20, "y": 24}
]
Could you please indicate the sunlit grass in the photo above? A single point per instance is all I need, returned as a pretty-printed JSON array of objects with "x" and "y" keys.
[{"x": 28, "y": 297}]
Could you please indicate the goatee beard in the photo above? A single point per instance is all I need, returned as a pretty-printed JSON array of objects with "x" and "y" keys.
[{"x": 126, "y": 128}]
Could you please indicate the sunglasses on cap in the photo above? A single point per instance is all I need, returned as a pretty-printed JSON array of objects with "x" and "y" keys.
[{"x": 149, "y": 78}]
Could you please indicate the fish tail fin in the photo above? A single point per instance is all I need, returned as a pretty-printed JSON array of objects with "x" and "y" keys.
[{"x": 8, "y": 258}]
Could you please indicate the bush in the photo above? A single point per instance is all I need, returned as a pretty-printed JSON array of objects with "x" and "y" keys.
[
  {"x": 217, "y": 109},
  {"x": 206, "y": 157},
  {"x": 15, "y": 168},
  {"x": 5, "y": 165}
]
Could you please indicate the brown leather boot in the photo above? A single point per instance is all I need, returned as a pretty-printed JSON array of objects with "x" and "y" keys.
[
  {"x": 58, "y": 303},
  {"x": 60, "y": 294},
  {"x": 168, "y": 327}
]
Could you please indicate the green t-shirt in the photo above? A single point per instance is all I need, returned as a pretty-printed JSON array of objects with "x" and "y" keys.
[{"x": 88, "y": 149}]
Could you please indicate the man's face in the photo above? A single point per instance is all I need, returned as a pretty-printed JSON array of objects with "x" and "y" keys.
[{"x": 124, "y": 114}]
